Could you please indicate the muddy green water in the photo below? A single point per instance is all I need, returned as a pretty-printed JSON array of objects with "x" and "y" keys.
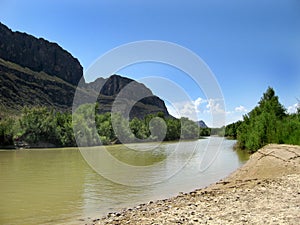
[{"x": 57, "y": 186}]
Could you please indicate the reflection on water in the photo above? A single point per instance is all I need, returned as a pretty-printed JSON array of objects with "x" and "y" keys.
[
  {"x": 131, "y": 155},
  {"x": 243, "y": 155},
  {"x": 57, "y": 186}
]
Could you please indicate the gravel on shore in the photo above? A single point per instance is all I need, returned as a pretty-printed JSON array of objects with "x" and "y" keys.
[{"x": 266, "y": 190}]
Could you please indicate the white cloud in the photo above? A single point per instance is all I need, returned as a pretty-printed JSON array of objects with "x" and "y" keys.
[
  {"x": 215, "y": 106},
  {"x": 190, "y": 109},
  {"x": 183, "y": 109},
  {"x": 293, "y": 108},
  {"x": 240, "y": 109},
  {"x": 212, "y": 111},
  {"x": 198, "y": 102},
  {"x": 236, "y": 114}
]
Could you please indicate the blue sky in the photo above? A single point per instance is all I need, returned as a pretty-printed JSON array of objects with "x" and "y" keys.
[{"x": 248, "y": 45}]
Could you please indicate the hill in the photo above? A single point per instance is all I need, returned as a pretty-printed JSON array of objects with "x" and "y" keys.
[
  {"x": 39, "y": 55},
  {"x": 114, "y": 87},
  {"x": 201, "y": 124},
  {"x": 36, "y": 72}
]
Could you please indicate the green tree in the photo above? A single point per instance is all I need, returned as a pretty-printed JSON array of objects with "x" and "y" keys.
[
  {"x": 204, "y": 132},
  {"x": 139, "y": 128},
  {"x": 173, "y": 129},
  {"x": 290, "y": 129},
  {"x": 7, "y": 131},
  {"x": 38, "y": 125},
  {"x": 261, "y": 125},
  {"x": 105, "y": 128},
  {"x": 158, "y": 128},
  {"x": 189, "y": 129},
  {"x": 84, "y": 125},
  {"x": 122, "y": 128},
  {"x": 231, "y": 129},
  {"x": 64, "y": 130},
  {"x": 41, "y": 124}
]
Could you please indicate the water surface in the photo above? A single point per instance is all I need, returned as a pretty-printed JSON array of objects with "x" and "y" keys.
[{"x": 57, "y": 186}]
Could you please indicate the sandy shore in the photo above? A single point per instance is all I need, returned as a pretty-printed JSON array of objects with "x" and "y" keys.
[{"x": 266, "y": 190}]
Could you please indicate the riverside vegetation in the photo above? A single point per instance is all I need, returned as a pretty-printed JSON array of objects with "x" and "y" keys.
[
  {"x": 43, "y": 125},
  {"x": 267, "y": 123},
  {"x": 39, "y": 73}
]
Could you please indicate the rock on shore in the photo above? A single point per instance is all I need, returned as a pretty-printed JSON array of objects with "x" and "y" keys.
[{"x": 266, "y": 190}]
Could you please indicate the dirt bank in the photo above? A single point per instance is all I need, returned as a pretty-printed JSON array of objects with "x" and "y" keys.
[{"x": 266, "y": 190}]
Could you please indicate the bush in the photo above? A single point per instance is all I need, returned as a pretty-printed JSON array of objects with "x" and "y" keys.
[{"x": 267, "y": 123}]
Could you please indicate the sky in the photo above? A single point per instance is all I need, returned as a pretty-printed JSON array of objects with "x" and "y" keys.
[{"x": 247, "y": 44}]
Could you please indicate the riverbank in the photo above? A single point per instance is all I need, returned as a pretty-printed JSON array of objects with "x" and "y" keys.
[{"x": 264, "y": 191}]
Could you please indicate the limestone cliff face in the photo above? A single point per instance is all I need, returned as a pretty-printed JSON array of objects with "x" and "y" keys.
[
  {"x": 23, "y": 87},
  {"x": 35, "y": 72},
  {"x": 128, "y": 92},
  {"x": 201, "y": 124},
  {"x": 39, "y": 55}
]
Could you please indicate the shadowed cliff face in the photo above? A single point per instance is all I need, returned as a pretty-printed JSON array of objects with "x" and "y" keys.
[
  {"x": 128, "y": 93},
  {"x": 35, "y": 72},
  {"x": 23, "y": 87},
  {"x": 39, "y": 55}
]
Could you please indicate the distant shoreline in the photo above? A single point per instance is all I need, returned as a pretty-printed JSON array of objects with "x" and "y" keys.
[
  {"x": 12, "y": 147},
  {"x": 264, "y": 190}
]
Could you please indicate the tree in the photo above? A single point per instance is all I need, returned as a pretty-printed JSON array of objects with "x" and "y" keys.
[
  {"x": 122, "y": 128},
  {"x": 104, "y": 127},
  {"x": 41, "y": 124},
  {"x": 231, "y": 129},
  {"x": 139, "y": 128},
  {"x": 204, "y": 132},
  {"x": 270, "y": 103},
  {"x": 290, "y": 129},
  {"x": 173, "y": 129},
  {"x": 38, "y": 125},
  {"x": 261, "y": 125},
  {"x": 64, "y": 130},
  {"x": 84, "y": 126},
  {"x": 158, "y": 129},
  {"x": 189, "y": 129},
  {"x": 7, "y": 131}
]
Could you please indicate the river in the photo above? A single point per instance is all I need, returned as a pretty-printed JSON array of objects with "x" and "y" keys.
[{"x": 57, "y": 186}]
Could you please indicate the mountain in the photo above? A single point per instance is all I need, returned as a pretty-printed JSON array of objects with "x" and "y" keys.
[
  {"x": 201, "y": 124},
  {"x": 39, "y": 55},
  {"x": 36, "y": 72},
  {"x": 124, "y": 93},
  {"x": 23, "y": 87}
]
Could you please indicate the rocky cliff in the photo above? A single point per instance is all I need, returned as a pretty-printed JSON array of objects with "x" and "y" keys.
[
  {"x": 36, "y": 72},
  {"x": 201, "y": 124},
  {"x": 128, "y": 92},
  {"x": 39, "y": 55},
  {"x": 23, "y": 87}
]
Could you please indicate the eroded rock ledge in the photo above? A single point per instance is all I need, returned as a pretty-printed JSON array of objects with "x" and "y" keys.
[{"x": 266, "y": 190}]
